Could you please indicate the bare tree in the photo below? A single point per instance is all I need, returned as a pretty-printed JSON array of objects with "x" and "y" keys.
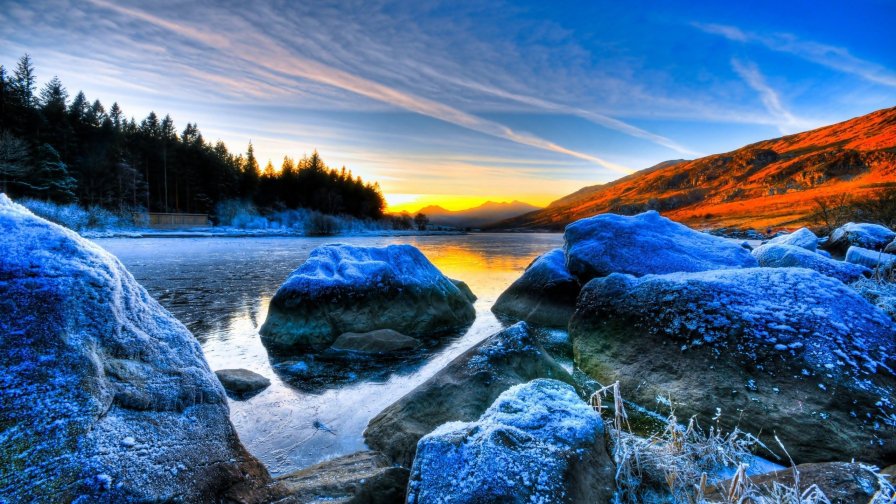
[
  {"x": 13, "y": 157},
  {"x": 833, "y": 211}
]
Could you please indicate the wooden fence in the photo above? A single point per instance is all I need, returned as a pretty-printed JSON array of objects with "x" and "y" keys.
[{"x": 172, "y": 220}]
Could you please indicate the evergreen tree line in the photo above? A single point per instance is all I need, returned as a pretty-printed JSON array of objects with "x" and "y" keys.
[{"x": 62, "y": 150}]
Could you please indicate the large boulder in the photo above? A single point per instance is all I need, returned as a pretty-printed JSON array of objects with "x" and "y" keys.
[
  {"x": 538, "y": 442},
  {"x": 841, "y": 482},
  {"x": 104, "y": 395},
  {"x": 802, "y": 237},
  {"x": 545, "y": 294},
  {"x": 359, "y": 478},
  {"x": 461, "y": 391},
  {"x": 862, "y": 234},
  {"x": 776, "y": 255},
  {"x": 645, "y": 244},
  {"x": 341, "y": 288},
  {"x": 782, "y": 351}
]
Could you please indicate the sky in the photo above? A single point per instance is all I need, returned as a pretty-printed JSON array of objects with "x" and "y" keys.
[{"x": 457, "y": 103}]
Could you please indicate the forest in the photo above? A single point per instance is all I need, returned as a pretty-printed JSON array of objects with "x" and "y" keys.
[{"x": 61, "y": 150}]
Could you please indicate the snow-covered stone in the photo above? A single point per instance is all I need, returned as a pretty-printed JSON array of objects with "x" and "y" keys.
[
  {"x": 461, "y": 391},
  {"x": 645, "y": 244},
  {"x": 862, "y": 234},
  {"x": 782, "y": 351},
  {"x": 342, "y": 288},
  {"x": 802, "y": 237},
  {"x": 871, "y": 259},
  {"x": 545, "y": 294},
  {"x": 538, "y": 443},
  {"x": 242, "y": 383},
  {"x": 104, "y": 395},
  {"x": 777, "y": 255}
]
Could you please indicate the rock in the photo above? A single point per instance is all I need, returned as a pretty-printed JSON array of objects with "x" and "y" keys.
[
  {"x": 539, "y": 442},
  {"x": 242, "y": 383},
  {"x": 545, "y": 294},
  {"x": 360, "y": 478},
  {"x": 104, "y": 395},
  {"x": 465, "y": 289},
  {"x": 784, "y": 351},
  {"x": 889, "y": 471},
  {"x": 891, "y": 247},
  {"x": 841, "y": 482},
  {"x": 645, "y": 244},
  {"x": 381, "y": 341},
  {"x": 879, "y": 262},
  {"x": 461, "y": 391},
  {"x": 776, "y": 255},
  {"x": 824, "y": 253},
  {"x": 341, "y": 288},
  {"x": 869, "y": 236},
  {"x": 802, "y": 237}
]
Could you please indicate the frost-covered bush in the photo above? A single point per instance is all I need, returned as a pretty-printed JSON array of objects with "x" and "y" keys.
[
  {"x": 681, "y": 463},
  {"x": 245, "y": 215},
  {"x": 879, "y": 293},
  {"x": 78, "y": 218}
]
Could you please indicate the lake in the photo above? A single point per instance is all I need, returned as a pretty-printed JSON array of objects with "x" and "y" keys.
[{"x": 220, "y": 289}]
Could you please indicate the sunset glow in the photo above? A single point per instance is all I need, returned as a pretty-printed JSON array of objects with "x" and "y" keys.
[{"x": 460, "y": 106}]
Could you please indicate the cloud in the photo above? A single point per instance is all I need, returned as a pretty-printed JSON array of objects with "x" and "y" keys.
[
  {"x": 749, "y": 72},
  {"x": 254, "y": 47},
  {"x": 835, "y": 58}
]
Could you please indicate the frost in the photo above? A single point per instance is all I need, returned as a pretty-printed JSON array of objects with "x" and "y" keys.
[
  {"x": 645, "y": 244},
  {"x": 802, "y": 237},
  {"x": 785, "y": 256}
]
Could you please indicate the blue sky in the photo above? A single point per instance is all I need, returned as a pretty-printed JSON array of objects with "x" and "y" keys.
[{"x": 458, "y": 103}]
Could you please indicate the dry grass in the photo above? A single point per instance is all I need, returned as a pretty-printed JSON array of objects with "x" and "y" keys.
[{"x": 677, "y": 464}]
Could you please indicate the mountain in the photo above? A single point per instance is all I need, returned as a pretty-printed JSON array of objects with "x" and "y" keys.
[
  {"x": 773, "y": 183},
  {"x": 483, "y": 215}
]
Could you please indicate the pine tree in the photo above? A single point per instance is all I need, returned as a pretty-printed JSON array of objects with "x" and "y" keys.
[
  {"x": 116, "y": 116},
  {"x": 53, "y": 97},
  {"x": 24, "y": 81},
  {"x": 78, "y": 108},
  {"x": 50, "y": 178}
]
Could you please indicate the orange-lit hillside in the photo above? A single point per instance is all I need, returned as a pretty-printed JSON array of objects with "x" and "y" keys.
[{"x": 773, "y": 183}]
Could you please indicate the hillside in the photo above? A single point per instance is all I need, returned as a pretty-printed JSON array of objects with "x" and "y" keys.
[
  {"x": 487, "y": 213},
  {"x": 773, "y": 183}
]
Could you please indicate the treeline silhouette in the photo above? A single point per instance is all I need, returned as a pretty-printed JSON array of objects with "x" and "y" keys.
[{"x": 63, "y": 150}]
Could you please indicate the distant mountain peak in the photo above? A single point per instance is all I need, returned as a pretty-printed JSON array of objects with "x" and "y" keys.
[{"x": 771, "y": 183}]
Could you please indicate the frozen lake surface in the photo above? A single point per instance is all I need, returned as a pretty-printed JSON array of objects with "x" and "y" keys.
[{"x": 220, "y": 289}]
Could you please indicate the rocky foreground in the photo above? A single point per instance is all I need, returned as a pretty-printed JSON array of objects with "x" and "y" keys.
[{"x": 105, "y": 397}]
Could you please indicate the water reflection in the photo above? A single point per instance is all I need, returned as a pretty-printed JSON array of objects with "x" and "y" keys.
[{"x": 220, "y": 288}]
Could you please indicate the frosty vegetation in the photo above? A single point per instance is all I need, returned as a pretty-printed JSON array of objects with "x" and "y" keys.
[{"x": 680, "y": 463}]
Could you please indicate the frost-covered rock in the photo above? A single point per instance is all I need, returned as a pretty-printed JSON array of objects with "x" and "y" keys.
[
  {"x": 871, "y": 259},
  {"x": 381, "y": 341},
  {"x": 465, "y": 289},
  {"x": 645, "y": 244},
  {"x": 776, "y": 255},
  {"x": 539, "y": 443},
  {"x": 781, "y": 351},
  {"x": 545, "y": 294},
  {"x": 802, "y": 237},
  {"x": 359, "y": 478},
  {"x": 242, "y": 383},
  {"x": 104, "y": 396},
  {"x": 341, "y": 288},
  {"x": 461, "y": 391},
  {"x": 841, "y": 482},
  {"x": 865, "y": 235}
]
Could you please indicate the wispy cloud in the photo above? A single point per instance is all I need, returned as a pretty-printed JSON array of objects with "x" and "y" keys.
[
  {"x": 271, "y": 55},
  {"x": 833, "y": 57},
  {"x": 749, "y": 72}
]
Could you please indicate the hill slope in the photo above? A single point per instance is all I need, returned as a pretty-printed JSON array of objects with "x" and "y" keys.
[
  {"x": 773, "y": 183},
  {"x": 486, "y": 213}
]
